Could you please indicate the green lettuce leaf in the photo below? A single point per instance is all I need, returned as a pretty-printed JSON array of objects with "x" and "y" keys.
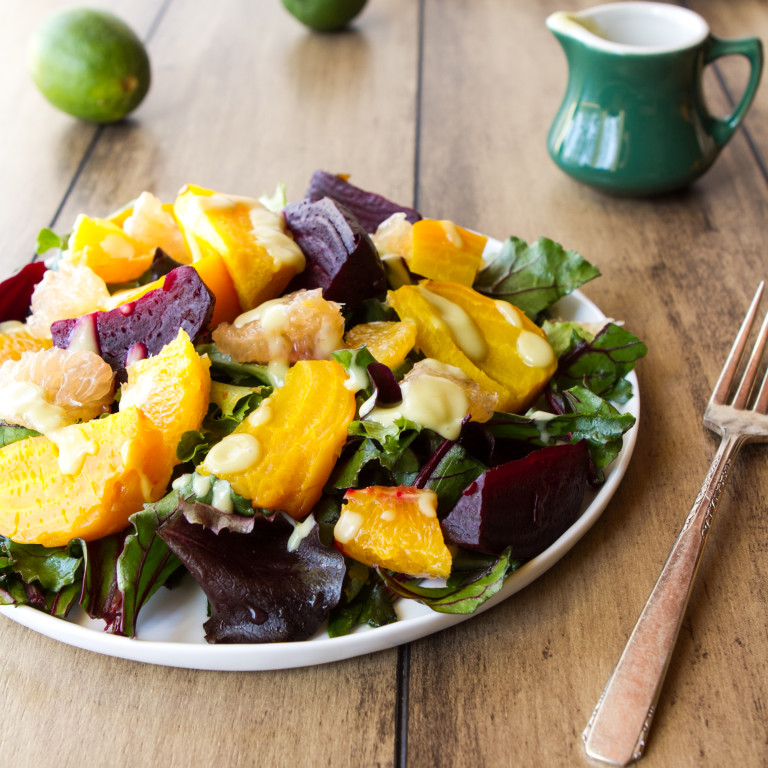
[
  {"x": 535, "y": 276},
  {"x": 589, "y": 418},
  {"x": 383, "y": 457},
  {"x": 463, "y": 598},
  {"x": 10, "y": 434},
  {"x": 599, "y": 363},
  {"x": 47, "y": 240},
  {"x": 224, "y": 368},
  {"x": 47, "y": 578}
]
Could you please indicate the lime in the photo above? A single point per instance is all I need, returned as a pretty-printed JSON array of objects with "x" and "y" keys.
[
  {"x": 89, "y": 64},
  {"x": 325, "y": 15}
]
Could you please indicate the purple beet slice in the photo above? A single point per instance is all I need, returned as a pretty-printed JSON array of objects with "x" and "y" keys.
[
  {"x": 341, "y": 257},
  {"x": 368, "y": 208},
  {"x": 525, "y": 504},
  {"x": 152, "y": 321},
  {"x": 16, "y": 291}
]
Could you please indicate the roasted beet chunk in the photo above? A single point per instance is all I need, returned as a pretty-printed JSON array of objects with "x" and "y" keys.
[
  {"x": 16, "y": 291},
  {"x": 368, "y": 208},
  {"x": 525, "y": 504},
  {"x": 341, "y": 257},
  {"x": 153, "y": 321}
]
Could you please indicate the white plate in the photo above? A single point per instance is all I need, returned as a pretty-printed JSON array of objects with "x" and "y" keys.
[{"x": 170, "y": 626}]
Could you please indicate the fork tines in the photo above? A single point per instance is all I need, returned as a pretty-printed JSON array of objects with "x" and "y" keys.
[{"x": 741, "y": 398}]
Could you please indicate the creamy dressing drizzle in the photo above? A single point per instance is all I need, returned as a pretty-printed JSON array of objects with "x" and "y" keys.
[
  {"x": 347, "y": 526},
  {"x": 427, "y": 501},
  {"x": 278, "y": 370},
  {"x": 300, "y": 531},
  {"x": 357, "y": 379},
  {"x": 462, "y": 327},
  {"x": 454, "y": 238},
  {"x": 534, "y": 350},
  {"x": 22, "y": 402},
  {"x": 510, "y": 313},
  {"x": 432, "y": 401},
  {"x": 201, "y": 484},
  {"x": 74, "y": 446},
  {"x": 267, "y": 228},
  {"x": 233, "y": 454},
  {"x": 222, "y": 499}
]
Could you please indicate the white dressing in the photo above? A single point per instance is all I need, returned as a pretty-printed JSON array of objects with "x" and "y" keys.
[
  {"x": 511, "y": 314},
  {"x": 233, "y": 454},
  {"x": 534, "y": 350},
  {"x": 22, "y": 402},
  {"x": 347, "y": 526},
  {"x": 222, "y": 498},
  {"x": 74, "y": 446},
  {"x": 454, "y": 238},
  {"x": 300, "y": 531},
  {"x": 432, "y": 401},
  {"x": 267, "y": 228},
  {"x": 461, "y": 326}
]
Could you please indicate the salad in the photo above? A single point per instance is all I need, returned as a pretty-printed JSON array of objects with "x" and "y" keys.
[{"x": 313, "y": 408}]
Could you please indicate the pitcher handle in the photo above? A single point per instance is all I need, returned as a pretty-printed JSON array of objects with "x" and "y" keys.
[{"x": 752, "y": 49}]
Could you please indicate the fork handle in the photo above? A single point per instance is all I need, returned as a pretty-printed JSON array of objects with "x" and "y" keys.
[{"x": 618, "y": 729}]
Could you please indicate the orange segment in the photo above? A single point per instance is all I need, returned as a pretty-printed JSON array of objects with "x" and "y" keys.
[
  {"x": 82, "y": 481},
  {"x": 282, "y": 455},
  {"x": 395, "y": 528},
  {"x": 388, "y": 342},
  {"x": 171, "y": 388},
  {"x": 107, "y": 250},
  {"x": 16, "y": 340},
  {"x": 444, "y": 251},
  {"x": 259, "y": 253}
]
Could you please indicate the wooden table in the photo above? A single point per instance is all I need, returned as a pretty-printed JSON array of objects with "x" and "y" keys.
[{"x": 443, "y": 104}]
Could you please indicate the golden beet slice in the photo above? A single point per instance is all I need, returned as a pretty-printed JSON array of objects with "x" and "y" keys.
[
  {"x": 491, "y": 341},
  {"x": 82, "y": 481},
  {"x": 282, "y": 455},
  {"x": 395, "y": 528}
]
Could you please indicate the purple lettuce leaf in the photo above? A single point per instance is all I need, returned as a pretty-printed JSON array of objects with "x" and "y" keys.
[{"x": 258, "y": 590}]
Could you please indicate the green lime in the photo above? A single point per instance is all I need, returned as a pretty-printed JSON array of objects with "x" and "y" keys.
[
  {"x": 325, "y": 15},
  {"x": 89, "y": 64}
]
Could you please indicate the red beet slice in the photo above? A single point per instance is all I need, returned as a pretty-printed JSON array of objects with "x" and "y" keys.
[
  {"x": 368, "y": 208},
  {"x": 16, "y": 291},
  {"x": 152, "y": 321},
  {"x": 526, "y": 504},
  {"x": 341, "y": 257}
]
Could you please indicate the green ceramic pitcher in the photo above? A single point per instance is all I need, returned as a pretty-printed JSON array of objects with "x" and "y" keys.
[{"x": 633, "y": 119}]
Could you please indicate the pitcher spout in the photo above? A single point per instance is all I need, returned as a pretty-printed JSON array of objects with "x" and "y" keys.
[{"x": 575, "y": 27}]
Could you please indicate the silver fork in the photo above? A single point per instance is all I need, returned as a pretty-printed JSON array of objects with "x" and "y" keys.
[{"x": 618, "y": 729}]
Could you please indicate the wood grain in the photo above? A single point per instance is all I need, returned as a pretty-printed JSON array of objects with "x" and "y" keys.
[
  {"x": 518, "y": 684},
  {"x": 41, "y": 147},
  {"x": 244, "y": 97}
]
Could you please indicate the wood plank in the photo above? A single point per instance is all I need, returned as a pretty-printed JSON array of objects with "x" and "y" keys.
[
  {"x": 519, "y": 683},
  {"x": 42, "y": 147},
  {"x": 733, "y": 21},
  {"x": 243, "y": 97},
  {"x": 258, "y": 99}
]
